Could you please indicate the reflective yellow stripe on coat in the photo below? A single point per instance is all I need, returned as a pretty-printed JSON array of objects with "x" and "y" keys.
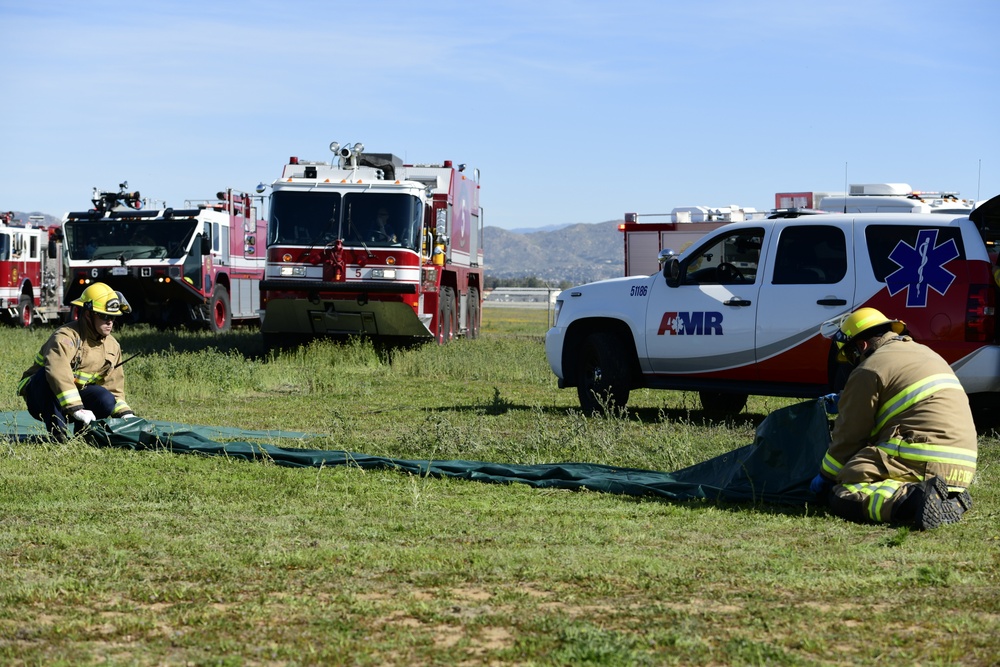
[
  {"x": 922, "y": 451},
  {"x": 912, "y": 395}
]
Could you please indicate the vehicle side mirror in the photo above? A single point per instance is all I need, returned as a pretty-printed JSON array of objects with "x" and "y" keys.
[
  {"x": 251, "y": 240},
  {"x": 53, "y": 249},
  {"x": 663, "y": 260},
  {"x": 672, "y": 272},
  {"x": 206, "y": 245}
]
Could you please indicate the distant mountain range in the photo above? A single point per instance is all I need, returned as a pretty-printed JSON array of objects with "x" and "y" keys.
[
  {"x": 577, "y": 253},
  {"x": 546, "y": 228},
  {"x": 49, "y": 219}
]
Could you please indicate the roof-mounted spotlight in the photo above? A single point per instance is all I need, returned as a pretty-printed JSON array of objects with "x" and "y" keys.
[
  {"x": 358, "y": 148},
  {"x": 261, "y": 187},
  {"x": 461, "y": 167},
  {"x": 334, "y": 147}
]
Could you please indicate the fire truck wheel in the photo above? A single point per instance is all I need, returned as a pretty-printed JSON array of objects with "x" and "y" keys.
[
  {"x": 219, "y": 314},
  {"x": 26, "y": 311},
  {"x": 446, "y": 315},
  {"x": 602, "y": 375},
  {"x": 452, "y": 314},
  {"x": 271, "y": 343},
  {"x": 474, "y": 313}
]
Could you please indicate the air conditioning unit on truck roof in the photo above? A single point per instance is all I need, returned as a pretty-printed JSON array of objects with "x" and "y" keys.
[
  {"x": 370, "y": 246},
  {"x": 878, "y": 198}
]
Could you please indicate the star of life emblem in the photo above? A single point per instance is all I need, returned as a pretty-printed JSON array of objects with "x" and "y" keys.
[{"x": 921, "y": 268}]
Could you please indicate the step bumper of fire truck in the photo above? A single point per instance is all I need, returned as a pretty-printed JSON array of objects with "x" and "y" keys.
[{"x": 340, "y": 309}]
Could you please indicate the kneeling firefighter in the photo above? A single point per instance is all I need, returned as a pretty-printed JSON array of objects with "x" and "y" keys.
[
  {"x": 77, "y": 373},
  {"x": 903, "y": 447}
]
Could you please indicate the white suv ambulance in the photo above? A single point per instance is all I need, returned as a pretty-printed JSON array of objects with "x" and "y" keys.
[{"x": 740, "y": 312}]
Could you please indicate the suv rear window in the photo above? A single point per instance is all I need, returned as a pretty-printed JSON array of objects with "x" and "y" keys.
[
  {"x": 892, "y": 247},
  {"x": 810, "y": 255}
]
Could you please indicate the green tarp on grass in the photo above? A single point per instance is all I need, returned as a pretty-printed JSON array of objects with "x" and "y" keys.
[{"x": 776, "y": 468}]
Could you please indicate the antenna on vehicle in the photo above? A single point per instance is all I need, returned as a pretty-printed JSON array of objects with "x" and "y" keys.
[
  {"x": 846, "y": 188},
  {"x": 979, "y": 179}
]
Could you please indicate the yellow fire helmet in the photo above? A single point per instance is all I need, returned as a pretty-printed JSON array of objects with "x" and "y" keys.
[
  {"x": 854, "y": 324},
  {"x": 102, "y": 299}
]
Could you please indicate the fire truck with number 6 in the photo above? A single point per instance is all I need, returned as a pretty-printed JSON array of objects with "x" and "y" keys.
[{"x": 198, "y": 266}]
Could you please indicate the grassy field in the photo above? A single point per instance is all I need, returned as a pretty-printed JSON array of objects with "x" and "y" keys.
[{"x": 148, "y": 558}]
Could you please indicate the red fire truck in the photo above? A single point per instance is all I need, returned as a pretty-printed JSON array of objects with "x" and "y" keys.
[
  {"x": 31, "y": 285},
  {"x": 368, "y": 246},
  {"x": 646, "y": 239},
  {"x": 198, "y": 266}
]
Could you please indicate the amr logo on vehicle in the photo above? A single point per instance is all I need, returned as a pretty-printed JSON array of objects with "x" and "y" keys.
[
  {"x": 921, "y": 267},
  {"x": 691, "y": 324}
]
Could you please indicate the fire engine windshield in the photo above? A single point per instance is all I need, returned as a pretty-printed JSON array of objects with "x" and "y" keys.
[
  {"x": 359, "y": 218},
  {"x": 391, "y": 220},
  {"x": 304, "y": 218},
  {"x": 103, "y": 239}
]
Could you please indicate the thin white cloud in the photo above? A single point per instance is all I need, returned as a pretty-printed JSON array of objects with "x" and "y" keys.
[{"x": 674, "y": 102}]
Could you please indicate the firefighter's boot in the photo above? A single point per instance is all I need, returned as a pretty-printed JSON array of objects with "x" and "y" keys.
[
  {"x": 963, "y": 500},
  {"x": 928, "y": 506}
]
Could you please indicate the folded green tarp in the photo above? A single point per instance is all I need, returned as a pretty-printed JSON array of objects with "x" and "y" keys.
[{"x": 777, "y": 467}]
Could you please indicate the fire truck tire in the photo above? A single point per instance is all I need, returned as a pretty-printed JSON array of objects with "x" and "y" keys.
[
  {"x": 452, "y": 314},
  {"x": 721, "y": 403},
  {"x": 602, "y": 374},
  {"x": 446, "y": 316},
  {"x": 271, "y": 343},
  {"x": 220, "y": 316},
  {"x": 25, "y": 312},
  {"x": 474, "y": 312}
]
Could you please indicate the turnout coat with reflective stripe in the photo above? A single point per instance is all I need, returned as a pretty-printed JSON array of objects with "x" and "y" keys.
[
  {"x": 73, "y": 357},
  {"x": 905, "y": 400}
]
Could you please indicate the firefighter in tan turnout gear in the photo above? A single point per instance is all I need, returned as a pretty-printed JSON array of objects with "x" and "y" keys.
[
  {"x": 77, "y": 373},
  {"x": 903, "y": 448}
]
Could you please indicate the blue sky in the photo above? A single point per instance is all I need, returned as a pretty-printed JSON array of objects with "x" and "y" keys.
[{"x": 573, "y": 111}]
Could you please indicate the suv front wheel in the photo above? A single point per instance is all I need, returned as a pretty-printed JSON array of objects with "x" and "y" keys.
[{"x": 602, "y": 374}]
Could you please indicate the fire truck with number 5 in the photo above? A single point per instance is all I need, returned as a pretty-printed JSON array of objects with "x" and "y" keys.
[{"x": 369, "y": 246}]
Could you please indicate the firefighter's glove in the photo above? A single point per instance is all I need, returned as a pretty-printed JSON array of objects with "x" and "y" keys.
[
  {"x": 820, "y": 485},
  {"x": 830, "y": 402},
  {"x": 85, "y": 417}
]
